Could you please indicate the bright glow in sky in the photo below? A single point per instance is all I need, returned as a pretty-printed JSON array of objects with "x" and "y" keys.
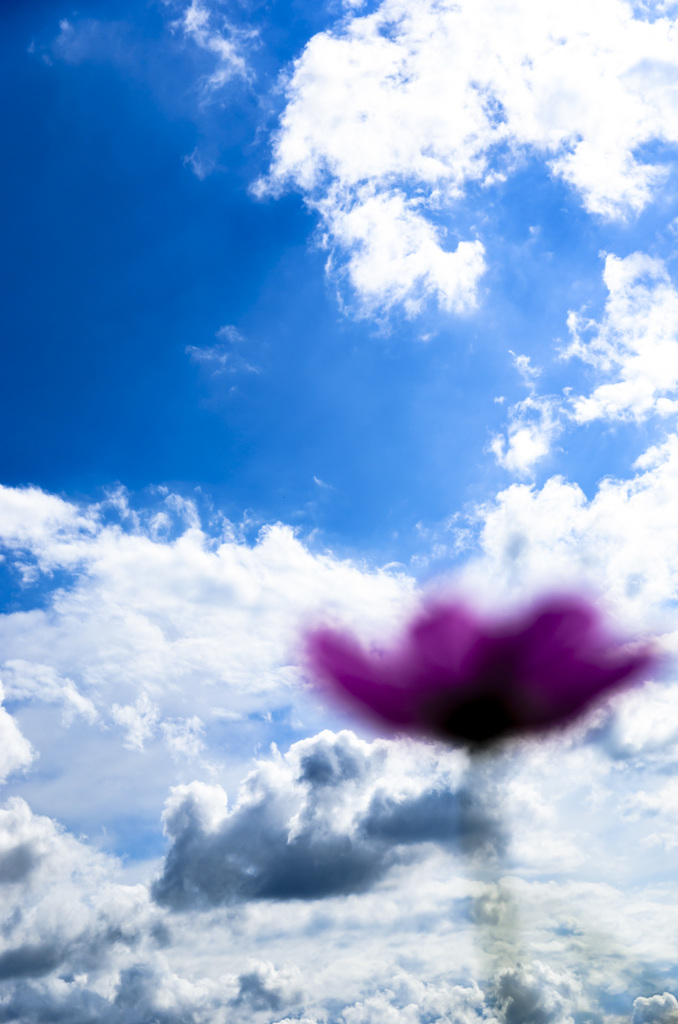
[{"x": 308, "y": 308}]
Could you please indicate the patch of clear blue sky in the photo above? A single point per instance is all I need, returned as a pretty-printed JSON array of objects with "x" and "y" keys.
[{"x": 116, "y": 257}]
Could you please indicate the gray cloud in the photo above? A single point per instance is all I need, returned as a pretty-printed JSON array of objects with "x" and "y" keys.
[
  {"x": 535, "y": 994},
  {"x": 251, "y": 858},
  {"x": 320, "y": 822},
  {"x": 18, "y": 862},
  {"x": 30, "y": 961},
  {"x": 438, "y": 815},
  {"x": 263, "y": 988},
  {"x": 141, "y": 997}
]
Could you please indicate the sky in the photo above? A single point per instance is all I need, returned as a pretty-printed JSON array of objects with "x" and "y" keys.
[{"x": 310, "y": 311}]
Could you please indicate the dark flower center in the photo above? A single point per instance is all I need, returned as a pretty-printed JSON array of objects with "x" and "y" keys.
[{"x": 478, "y": 719}]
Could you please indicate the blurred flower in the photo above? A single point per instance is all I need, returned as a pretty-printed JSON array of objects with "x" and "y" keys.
[{"x": 456, "y": 676}]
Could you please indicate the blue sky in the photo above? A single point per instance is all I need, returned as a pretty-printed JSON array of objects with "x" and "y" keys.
[
  {"x": 309, "y": 309},
  {"x": 120, "y": 257}
]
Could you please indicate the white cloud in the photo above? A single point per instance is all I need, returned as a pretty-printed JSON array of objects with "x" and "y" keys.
[
  {"x": 407, "y": 1000},
  {"x": 219, "y": 359},
  {"x": 47, "y": 526},
  {"x": 395, "y": 256},
  {"x": 147, "y": 613},
  {"x": 634, "y": 345},
  {"x": 138, "y": 719},
  {"x": 15, "y": 750},
  {"x": 537, "y": 993},
  {"x": 200, "y": 163},
  {"x": 391, "y": 114},
  {"x": 26, "y": 681},
  {"x": 621, "y": 541},
  {"x": 633, "y": 351},
  {"x": 533, "y": 425},
  {"x": 184, "y": 737}
]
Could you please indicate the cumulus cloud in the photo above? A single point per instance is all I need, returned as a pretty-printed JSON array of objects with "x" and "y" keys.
[
  {"x": 44, "y": 526},
  {"x": 407, "y": 1001},
  {"x": 533, "y": 423},
  {"x": 327, "y": 819},
  {"x": 78, "y": 945},
  {"x": 659, "y": 1009},
  {"x": 393, "y": 113},
  {"x": 634, "y": 345}
]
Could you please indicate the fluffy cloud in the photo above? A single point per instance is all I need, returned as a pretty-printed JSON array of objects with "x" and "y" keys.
[
  {"x": 659, "y": 1009},
  {"x": 407, "y": 1000},
  {"x": 634, "y": 345},
  {"x": 395, "y": 255},
  {"x": 262, "y": 987},
  {"x": 621, "y": 541},
  {"x": 534, "y": 423},
  {"x": 393, "y": 113}
]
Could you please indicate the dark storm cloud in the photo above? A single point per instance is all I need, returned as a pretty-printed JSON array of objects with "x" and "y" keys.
[{"x": 320, "y": 823}]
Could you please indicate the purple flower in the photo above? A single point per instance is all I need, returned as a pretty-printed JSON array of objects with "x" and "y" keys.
[{"x": 456, "y": 676}]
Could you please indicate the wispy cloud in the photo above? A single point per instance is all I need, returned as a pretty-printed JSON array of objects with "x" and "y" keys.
[
  {"x": 222, "y": 357},
  {"x": 206, "y": 26}
]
